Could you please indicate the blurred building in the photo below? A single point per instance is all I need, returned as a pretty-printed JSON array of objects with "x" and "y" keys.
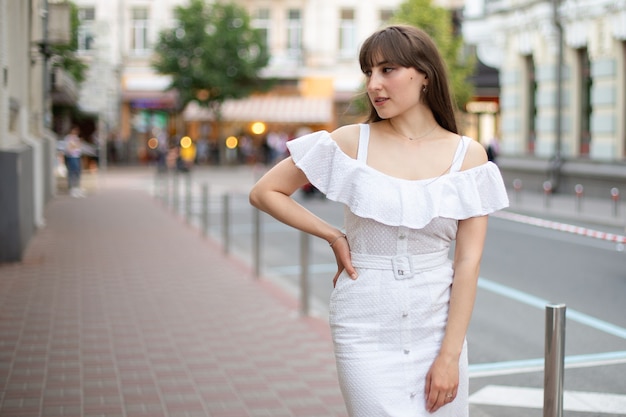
[
  {"x": 527, "y": 41},
  {"x": 313, "y": 48},
  {"x": 29, "y": 86}
]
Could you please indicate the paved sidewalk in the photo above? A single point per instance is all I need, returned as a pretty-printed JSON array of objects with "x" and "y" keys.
[{"x": 121, "y": 309}]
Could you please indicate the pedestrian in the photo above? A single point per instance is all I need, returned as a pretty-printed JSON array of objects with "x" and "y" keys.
[
  {"x": 412, "y": 185},
  {"x": 493, "y": 149},
  {"x": 73, "y": 155}
]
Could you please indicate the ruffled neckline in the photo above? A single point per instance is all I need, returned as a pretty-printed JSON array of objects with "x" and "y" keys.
[{"x": 395, "y": 201}]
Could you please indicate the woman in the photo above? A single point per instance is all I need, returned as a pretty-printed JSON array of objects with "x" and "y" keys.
[{"x": 411, "y": 186}]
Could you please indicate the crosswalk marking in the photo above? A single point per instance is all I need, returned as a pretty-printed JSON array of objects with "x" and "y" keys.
[{"x": 523, "y": 397}]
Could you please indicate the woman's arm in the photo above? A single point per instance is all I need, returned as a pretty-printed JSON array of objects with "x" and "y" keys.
[
  {"x": 443, "y": 377},
  {"x": 272, "y": 194}
]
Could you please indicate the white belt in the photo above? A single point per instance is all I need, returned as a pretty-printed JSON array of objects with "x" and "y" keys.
[{"x": 403, "y": 266}]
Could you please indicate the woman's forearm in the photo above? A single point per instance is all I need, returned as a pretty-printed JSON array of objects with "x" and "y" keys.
[{"x": 286, "y": 210}]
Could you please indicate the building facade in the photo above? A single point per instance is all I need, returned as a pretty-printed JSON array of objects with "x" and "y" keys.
[
  {"x": 28, "y": 87},
  {"x": 562, "y": 68},
  {"x": 313, "y": 46}
]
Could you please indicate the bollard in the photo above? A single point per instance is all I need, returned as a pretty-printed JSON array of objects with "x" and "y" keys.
[
  {"x": 166, "y": 194},
  {"x": 578, "y": 189},
  {"x": 175, "y": 193},
  {"x": 547, "y": 190},
  {"x": 226, "y": 222},
  {"x": 615, "y": 198},
  {"x": 305, "y": 240},
  {"x": 256, "y": 243},
  {"x": 205, "y": 210},
  {"x": 188, "y": 211},
  {"x": 554, "y": 361},
  {"x": 517, "y": 186}
]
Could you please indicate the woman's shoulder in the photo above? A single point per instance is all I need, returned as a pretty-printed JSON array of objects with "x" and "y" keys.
[
  {"x": 475, "y": 154},
  {"x": 347, "y": 138}
]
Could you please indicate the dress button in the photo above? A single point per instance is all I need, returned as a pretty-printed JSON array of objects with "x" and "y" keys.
[
  {"x": 405, "y": 314},
  {"x": 402, "y": 236},
  {"x": 407, "y": 351},
  {"x": 413, "y": 394}
]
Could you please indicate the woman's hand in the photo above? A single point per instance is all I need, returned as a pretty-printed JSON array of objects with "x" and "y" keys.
[
  {"x": 442, "y": 382},
  {"x": 341, "y": 248}
]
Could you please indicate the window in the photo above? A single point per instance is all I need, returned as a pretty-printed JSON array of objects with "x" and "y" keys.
[
  {"x": 139, "y": 31},
  {"x": 294, "y": 33},
  {"x": 531, "y": 106},
  {"x": 86, "y": 38},
  {"x": 385, "y": 16},
  {"x": 262, "y": 23},
  {"x": 347, "y": 33},
  {"x": 585, "y": 82}
]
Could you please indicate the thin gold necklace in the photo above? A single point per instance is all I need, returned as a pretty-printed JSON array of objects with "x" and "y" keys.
[{"x": 415, "y": 138}]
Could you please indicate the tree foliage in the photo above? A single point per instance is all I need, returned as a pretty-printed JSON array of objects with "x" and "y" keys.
[
  {"x": 212, "y": 54},
  {"x": 64, "y": 55},
  {"x": 438, "y": 23}
]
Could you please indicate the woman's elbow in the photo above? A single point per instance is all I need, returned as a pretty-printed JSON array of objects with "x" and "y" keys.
[{"x": 254, "y": 197}]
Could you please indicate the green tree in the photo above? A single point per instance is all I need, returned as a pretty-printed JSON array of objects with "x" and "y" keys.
[
  {"x": 437, "y": 22},
  {"x": 65, "y": 54},
  {"x": 212, "y": 54}
]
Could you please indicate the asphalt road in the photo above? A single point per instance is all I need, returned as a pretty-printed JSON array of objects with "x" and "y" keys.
[{"x": 525, "y": 268}]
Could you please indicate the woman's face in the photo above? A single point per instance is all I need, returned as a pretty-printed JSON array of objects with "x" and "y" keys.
[{"x": 393, "y": 89}]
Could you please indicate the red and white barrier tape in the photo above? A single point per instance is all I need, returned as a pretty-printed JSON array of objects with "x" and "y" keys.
[{"x": 563, "y": 227}]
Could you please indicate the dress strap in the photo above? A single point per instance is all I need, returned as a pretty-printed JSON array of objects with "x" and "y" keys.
[
  {"x": 459, "y": 155},
  {"x": 364, "y": 139}
]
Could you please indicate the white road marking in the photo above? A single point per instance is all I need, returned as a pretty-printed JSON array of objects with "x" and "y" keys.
[
  {"x": 533, "y": 398},
  {"x": 533, "y": 301},
  {"x": 480, "y": 370}
]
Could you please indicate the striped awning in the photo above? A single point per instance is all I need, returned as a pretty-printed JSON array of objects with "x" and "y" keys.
[{"x": 278, "y": 109}]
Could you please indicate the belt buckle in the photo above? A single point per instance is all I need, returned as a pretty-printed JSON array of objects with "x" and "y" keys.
[{"x": 402, "y": 268}]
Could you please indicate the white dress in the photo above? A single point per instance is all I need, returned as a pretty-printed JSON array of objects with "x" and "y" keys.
[{"x": 388, "y": 325}]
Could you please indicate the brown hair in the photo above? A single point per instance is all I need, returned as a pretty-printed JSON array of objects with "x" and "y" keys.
[{"x": 411, "y": 47}]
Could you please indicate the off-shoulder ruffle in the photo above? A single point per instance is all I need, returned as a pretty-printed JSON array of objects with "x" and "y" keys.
[{"x": 394, "y": 201}]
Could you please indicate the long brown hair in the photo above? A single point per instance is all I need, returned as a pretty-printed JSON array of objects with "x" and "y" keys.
[{"x": 411, "y": 47}]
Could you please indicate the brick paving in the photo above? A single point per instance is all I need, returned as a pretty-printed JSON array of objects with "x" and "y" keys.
[{"x": 119, "y": 309}]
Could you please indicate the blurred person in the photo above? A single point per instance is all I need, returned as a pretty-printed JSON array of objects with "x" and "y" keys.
[
  {"x": 411, "y": 186},
  {"x": 493, "y": 149},
  {"x": 73, "y": 156}
]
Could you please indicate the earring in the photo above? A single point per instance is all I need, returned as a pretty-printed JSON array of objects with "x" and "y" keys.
[{"x": 424, "y": 90}]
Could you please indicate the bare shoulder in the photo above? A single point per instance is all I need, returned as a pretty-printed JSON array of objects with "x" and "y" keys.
[
  {"x": 475, "y": 156},
  {"x": 347, "y": 138}
]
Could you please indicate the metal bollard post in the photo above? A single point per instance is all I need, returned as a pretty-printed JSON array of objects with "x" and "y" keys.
[
  {"x": 554, "y": 361},
  {"x": 175, "y": 193},
  {"x": 188, "y": 211},
  {"x": 305, "y": 240},
  {"x": 578, "y": 189},
  {"x": 517, "y": 186},
  {"x": 205, "y": 210},
  {"x": 166, "y": 186},
  {"x": 615, "y": 198},
  {"x": 226, "y": 222},
  {"x": 547, "y": 191},
  {"x": 256, "y": 243}
]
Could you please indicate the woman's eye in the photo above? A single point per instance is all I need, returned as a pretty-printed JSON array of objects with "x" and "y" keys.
[{"x": 388, "y": 69}]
